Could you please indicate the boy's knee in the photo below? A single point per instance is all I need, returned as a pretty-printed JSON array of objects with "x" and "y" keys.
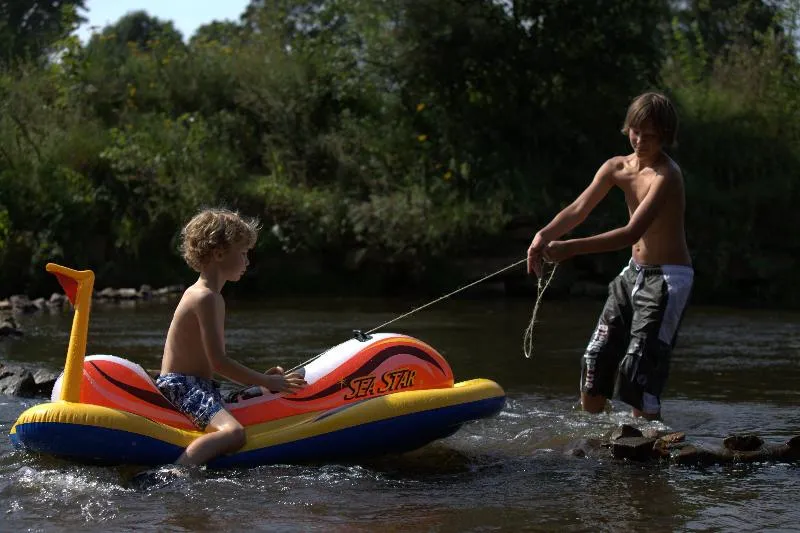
[{"x": 236, "y": 435}]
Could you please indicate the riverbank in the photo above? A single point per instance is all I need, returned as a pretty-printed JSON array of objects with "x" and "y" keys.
[
  {"x": 20, "y": 304},
  {"x": 364, "y": 272}
]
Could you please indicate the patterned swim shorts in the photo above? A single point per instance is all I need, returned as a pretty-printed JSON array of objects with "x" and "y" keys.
[
  {"x": 197, "y": 398},
  {"x": 629, "y": 353}
]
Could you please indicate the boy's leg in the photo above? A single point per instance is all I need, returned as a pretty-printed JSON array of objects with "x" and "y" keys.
[
  {"x": 602, "y": 356},
  {"x": 228, "y": 437},
  {"x": 659, "y": 301},
  {"x": 200, "y": 400}
]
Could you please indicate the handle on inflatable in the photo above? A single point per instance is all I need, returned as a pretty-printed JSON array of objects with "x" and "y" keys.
[{"x": 78, "y": 285}]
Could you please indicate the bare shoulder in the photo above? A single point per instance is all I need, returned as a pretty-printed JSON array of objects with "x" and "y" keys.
[
  {"x": 613, "y": 169},
  {"x": 672, "y": 168},
  {"x": 202, "y": 299},
  {"x": 669, "y": 170},
  {"x": 614, "y": 165}
]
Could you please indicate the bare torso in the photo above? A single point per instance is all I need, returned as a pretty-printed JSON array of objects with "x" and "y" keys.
[
  {"x": 184, "y": 351},
  {"x": 664, "y": 241}
]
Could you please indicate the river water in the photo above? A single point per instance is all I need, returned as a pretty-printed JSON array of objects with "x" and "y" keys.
[{"x": 733, "y": 371}]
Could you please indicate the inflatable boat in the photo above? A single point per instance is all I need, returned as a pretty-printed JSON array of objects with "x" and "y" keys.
[{"x": 371, "y": 395}]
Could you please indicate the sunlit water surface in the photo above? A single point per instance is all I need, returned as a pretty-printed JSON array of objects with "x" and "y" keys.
[{"x": 732, "y": 371}]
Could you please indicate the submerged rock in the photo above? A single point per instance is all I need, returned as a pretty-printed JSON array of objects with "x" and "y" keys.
[
  {"x": 16, "y": 380},
  {"x": 634, "y": 448},
  {"x": 583, "y": 447},
  {"x": 743, "y": 443},
  {"x": 9, "y": 328},
  {"x": 667, "y": 444},
  {"x": 673, "y": 448},
  {"x": 20, "y": 303},
  {"x": 625, "y": 431},
  {"x": 45, "y": 380}
]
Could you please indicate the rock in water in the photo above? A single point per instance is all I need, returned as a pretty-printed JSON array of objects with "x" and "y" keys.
[
  {"x": 157, "y": 478},
  {"x": 747, "y": 442},
  {"x": 634, "y": 448}
]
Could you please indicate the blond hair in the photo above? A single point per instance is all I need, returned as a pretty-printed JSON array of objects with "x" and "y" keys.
[
  {"x": 215, "y": 229},
  {"x": 658, "y": 109}
]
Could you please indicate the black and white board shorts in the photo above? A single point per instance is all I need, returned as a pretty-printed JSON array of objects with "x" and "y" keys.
[{"x": 629, "y": 353}]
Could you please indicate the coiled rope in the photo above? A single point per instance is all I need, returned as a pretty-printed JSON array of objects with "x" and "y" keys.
[{"x": 527, "y": 339}]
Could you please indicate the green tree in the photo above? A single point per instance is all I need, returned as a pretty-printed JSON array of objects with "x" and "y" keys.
[
  {"x": 225, "y": 33},
  {"x": 28, "y": 28},
  {"x": 716, "y": 25},
  {"x": 139, "y": 29}
]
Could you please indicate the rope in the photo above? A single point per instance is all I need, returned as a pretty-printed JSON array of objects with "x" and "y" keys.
[
  {"x": 448, "y": 295},
  {"x": 527, "y": 339}
]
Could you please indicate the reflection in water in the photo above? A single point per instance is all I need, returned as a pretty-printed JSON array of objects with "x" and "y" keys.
[{"x": 732, "y": 371}]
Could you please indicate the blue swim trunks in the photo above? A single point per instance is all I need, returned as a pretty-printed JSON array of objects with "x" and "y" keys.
[{"x": 197, "y": 398}]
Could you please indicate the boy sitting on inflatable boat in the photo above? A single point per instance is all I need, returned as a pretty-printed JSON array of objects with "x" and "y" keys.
[{"x": 215, "y": 243}]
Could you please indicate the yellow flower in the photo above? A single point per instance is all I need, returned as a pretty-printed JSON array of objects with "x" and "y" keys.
[
  {"x": 420, "y": 107},
  {"x": 448, "y": 175},
  {"x": 422, "y": 138}
]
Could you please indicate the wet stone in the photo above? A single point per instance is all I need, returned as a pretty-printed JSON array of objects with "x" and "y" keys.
[
  {"x": 127, "y": 294},
  {"x": 56, "y": 300},
  {"x": 17, "y": 382},
  {"x": 686, "y": 454},
  {"x": 9, "y": 328},
  {"x": 107, "y": 293},
  {"x": 45, "y": 380},
  {"x": 672, "y": 438},
  {"x": 20, "y": 303},
  {"x": 651, "y": 433},
  {"x": 743, "y": 443},
  {"x": 633, "y": 448},
  {"x": 145, "y": 292},
  {"x": 625, "y": 431},
  {"x": 582, "y": 447}
]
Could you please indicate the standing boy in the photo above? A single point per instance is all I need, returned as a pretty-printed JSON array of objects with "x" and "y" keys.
[
  {"x": 215, "y": 244},
  {"x": 629, "y": 352}
]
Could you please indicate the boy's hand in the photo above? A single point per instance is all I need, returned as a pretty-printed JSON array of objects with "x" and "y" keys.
[
  {"x": 285, "y": 383},
  {"x": 557, "y": 251},
  {"x": 274, "y": 370},
  {"x": 535, "y": 257}
]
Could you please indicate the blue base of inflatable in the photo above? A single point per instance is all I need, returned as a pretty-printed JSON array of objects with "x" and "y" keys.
[{"x": 399, "y": 434}]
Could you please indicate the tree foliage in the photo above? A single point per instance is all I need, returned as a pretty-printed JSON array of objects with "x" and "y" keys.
[
  {"x": 28, "y": 28},
  {"x": 400, "y": 132}
]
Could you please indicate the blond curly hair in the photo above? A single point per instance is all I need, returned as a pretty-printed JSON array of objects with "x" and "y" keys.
[{"x": 214, "y": 229}]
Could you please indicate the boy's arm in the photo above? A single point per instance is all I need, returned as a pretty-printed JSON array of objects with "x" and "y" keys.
[
  {"x": 211, "y": 313},
  {"x": 572, "y": 215},
  {"x": 617, "y": 238},
  {"x": 576, "y": 212}
]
